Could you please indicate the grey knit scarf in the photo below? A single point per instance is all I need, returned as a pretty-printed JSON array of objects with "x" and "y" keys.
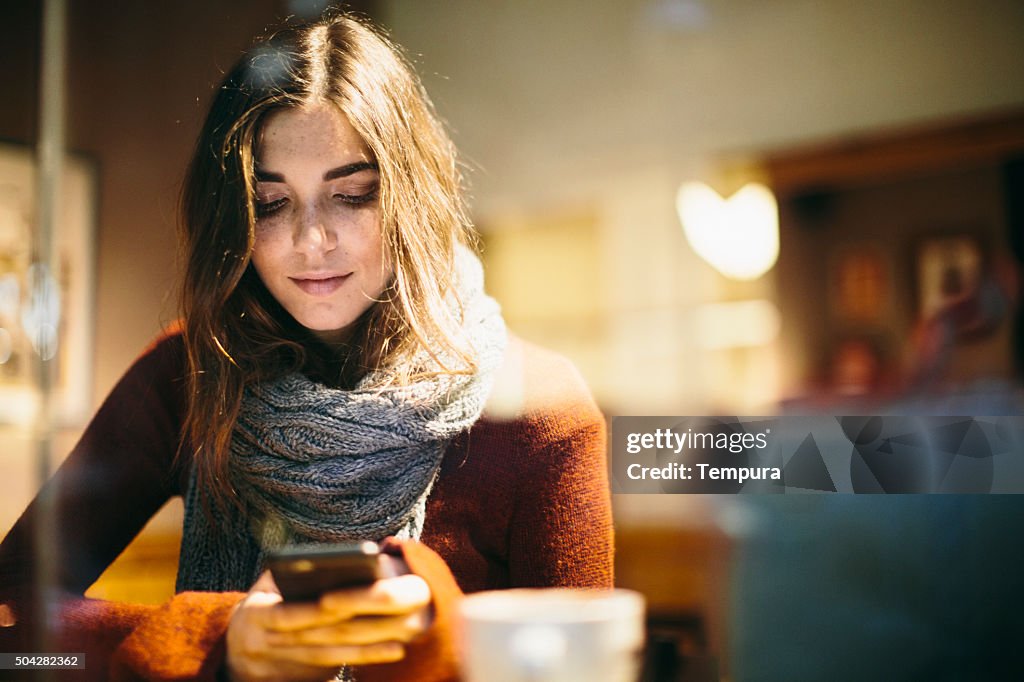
[{"x": 314, "y": 464}]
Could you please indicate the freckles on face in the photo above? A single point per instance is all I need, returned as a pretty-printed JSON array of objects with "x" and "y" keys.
[{"x": 318, "y": 249}]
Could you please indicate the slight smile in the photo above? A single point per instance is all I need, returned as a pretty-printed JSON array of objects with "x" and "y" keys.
[{"x": 319, "y": 285}]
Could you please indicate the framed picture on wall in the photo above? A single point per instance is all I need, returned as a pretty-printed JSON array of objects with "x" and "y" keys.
[
  {"x": 860, "y": 278},
  {"x": 949, "y": 269},
  {"x": 55, "y": 321}
]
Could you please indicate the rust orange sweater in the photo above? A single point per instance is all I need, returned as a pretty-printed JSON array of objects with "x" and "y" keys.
[{"x": 521, "y": 501}]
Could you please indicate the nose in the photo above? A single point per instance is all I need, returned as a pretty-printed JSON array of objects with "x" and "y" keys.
[{"x": 313, "y": 234}]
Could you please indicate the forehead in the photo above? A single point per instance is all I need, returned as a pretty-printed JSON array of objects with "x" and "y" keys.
[{"x": 310, "y": 133}]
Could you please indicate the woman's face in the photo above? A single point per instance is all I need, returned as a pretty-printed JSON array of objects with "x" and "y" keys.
[{"x": 318, "y": 238}]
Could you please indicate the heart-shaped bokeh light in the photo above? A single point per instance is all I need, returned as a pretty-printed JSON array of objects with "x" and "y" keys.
[{"x": 738, "y": 236}]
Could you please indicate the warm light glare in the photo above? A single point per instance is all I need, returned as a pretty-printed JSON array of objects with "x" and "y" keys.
[
  {"x": 739, "y": 324},
  {"x": 40, "y": 317},
  {"x": 6, "y": 345},
  {"x": 738, "y": 236}
]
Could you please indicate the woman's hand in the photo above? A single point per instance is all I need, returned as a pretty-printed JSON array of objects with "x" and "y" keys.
[{"x": 270, "y": 640}]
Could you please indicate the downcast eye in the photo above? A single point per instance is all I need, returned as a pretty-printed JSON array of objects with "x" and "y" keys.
[{"x": 269, "y": 207}]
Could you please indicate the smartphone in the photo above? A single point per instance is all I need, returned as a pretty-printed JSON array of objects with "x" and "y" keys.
[{"x": 304, "y": 572}]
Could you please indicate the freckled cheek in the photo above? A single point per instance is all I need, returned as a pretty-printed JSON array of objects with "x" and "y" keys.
[
  {"x": 368, "y": 243},
  {"x": 268, "y": 233},
  {"x": 266, "y": 252}
]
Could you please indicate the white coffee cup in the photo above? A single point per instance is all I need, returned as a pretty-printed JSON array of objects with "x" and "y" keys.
[{"x": 552, "y": 635}]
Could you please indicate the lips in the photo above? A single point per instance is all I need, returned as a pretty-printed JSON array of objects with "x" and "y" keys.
[{"x": 319, "y": 286}]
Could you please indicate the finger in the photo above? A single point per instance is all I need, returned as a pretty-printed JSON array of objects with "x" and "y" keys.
[
  {"x": 357, "y": 631},
  {"x": 265, "y": 583},
  {"x": 389, "y": 566},
  {"x": 337, "y": 656},
  {"x": 288, "y": 617},
  {"x": 262, "y": 599},
  {"x": 390, "y": 596},
  {"x": 285, "y": 670}
]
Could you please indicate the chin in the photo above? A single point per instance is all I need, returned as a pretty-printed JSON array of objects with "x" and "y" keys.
[
  {"x": 322, "y": 323},
  {"x": 324, "y": 329}
]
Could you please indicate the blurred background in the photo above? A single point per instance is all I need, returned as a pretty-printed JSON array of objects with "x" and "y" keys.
[{"x": 711, "y": 206}]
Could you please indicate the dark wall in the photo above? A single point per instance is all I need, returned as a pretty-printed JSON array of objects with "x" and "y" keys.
[{"x": 893, "y": 220}]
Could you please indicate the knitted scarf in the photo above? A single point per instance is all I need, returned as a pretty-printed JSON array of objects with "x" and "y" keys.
[{"x": 314, "y": 464}]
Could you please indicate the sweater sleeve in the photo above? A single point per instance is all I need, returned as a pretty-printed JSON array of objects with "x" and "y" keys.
[
  {"x": 560, "y": 530},
  {"x": 433, "y": 657},
  {"x": 184, "y": 639}
]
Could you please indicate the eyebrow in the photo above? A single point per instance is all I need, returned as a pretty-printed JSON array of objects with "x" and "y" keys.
[{"x": 333, "y": 174}]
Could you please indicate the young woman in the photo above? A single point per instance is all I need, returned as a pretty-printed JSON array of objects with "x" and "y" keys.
[{"x": 339, "y": 375}]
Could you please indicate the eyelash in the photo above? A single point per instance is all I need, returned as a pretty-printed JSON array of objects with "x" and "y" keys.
[
  {"x": 357, "y": 199},
  {"x": 265, "y": 209},
  {"x": 271, "y": 207}
]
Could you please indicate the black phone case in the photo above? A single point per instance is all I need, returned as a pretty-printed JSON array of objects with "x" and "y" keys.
[{"x": 304, "y": 573}]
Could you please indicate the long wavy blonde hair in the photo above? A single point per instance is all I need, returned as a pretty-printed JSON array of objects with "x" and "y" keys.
[{"x": 235, "y": 332}]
